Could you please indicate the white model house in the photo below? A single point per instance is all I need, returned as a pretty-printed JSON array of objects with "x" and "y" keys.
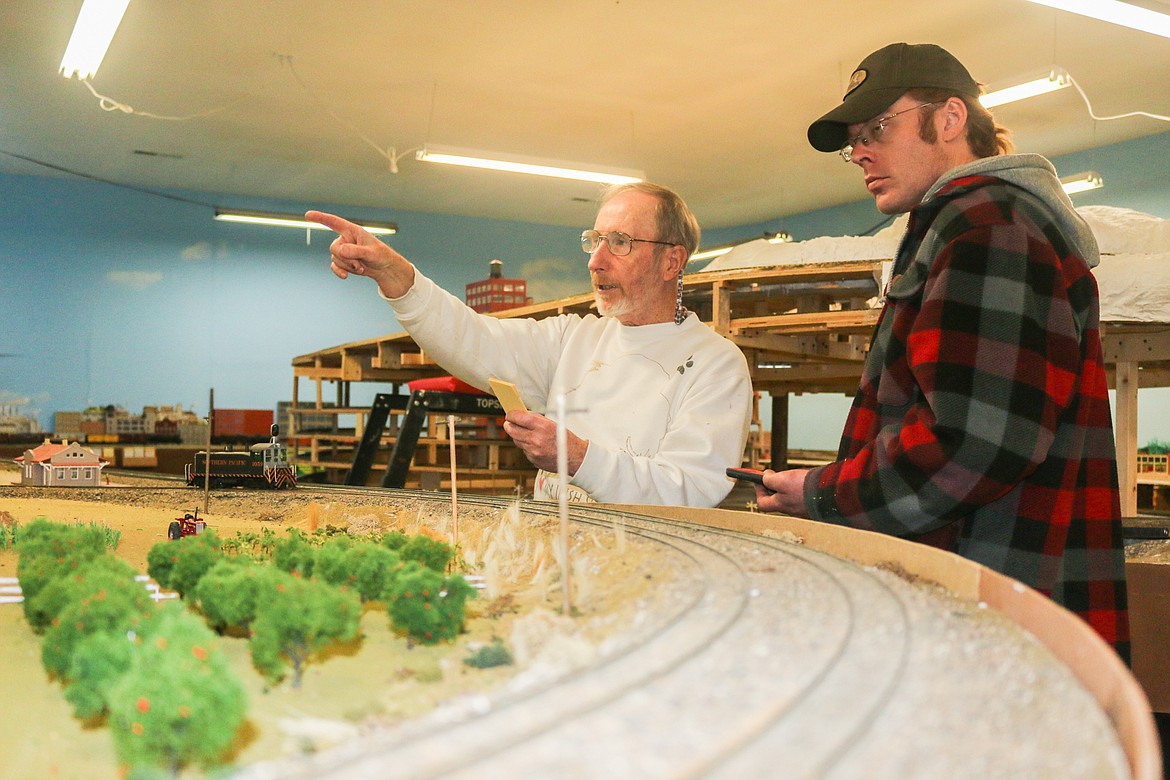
[{"x": 60, "y": 465}]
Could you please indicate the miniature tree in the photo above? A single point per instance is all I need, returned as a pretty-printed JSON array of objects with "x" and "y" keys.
[
  {"x": 435, "y": 554},
  {"x": 58, "y": 593},
  {"x": 427, "y": 606},
  {"x": 227, "y": 593},
  {"x": 98, "y": 598},
  {"x": 179, "y": 702},
  {"x": 99, "y": 661},
  {"x": 294, "y": 554},
  {"x": 50, "y": 550},
  {"x": 371, "y": 569},
  {"x": 332, "y": 564},
  {"x": 395, "y": 540},
  {"x": 294, "y": 618},
  {"x": 179, "y": 564}
]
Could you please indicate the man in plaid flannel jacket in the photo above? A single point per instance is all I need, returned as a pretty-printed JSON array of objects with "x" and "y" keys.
[{"x": 982, "y": 422}]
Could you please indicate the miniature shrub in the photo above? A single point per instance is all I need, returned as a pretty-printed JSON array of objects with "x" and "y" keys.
[
  {"x": 99, "y": 661},
  {"x": 294, "y": 554},
  {"x": 432, "y": 553},
  {"x": 102, "y": 597},
  {"x": 179, "y": 564},
  {"x": 294, "y": 618},
  {"x": 495, "y": 654},
  {"x": 395, "y": 540},
  {"x": 50, "y": 550},
  {"x": 331, "y": 565},
  {"x": 425, "y": 605},
  {"x": 46, "y": 606},
  {"x": 178, "y": 703},
  {"x": 111, "y": 536},
  {"x": 371, "y": 569},
  {"x": 227, "y": 593}
]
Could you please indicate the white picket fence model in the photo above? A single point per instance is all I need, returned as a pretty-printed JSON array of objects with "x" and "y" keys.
[{"x": 10, "y": 592}]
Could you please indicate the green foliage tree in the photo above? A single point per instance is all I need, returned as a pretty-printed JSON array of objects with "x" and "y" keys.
[
  {"x": 101, "y": 597},
  {"x": 332, "y": 565},
  {"x": 427, "y": 606},
  {"x": 371, "y": 568},
  {"x": 178, "y": 703},
  {"x": 179, "y": 564},
  {"x": 50, "y": 550},
  {"x": 99, "y": 661},
  {"x": 395, "y": 540},
  {"x": 227, "y": 593},
  {"x": 432, "y": 553},
  {"x": 295, "y": 554},
  {"x": 294, "y": 618},
  {"x": 45, "y": 606}
]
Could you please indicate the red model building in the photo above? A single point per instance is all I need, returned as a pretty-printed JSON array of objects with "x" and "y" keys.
[{"x": 496, "y": 293}]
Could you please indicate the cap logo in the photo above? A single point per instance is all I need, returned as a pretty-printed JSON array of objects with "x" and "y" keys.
[{"x": 856, "y": 80}]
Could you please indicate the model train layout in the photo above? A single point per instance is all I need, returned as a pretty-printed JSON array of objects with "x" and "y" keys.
[{"x": 263, "y": 465}]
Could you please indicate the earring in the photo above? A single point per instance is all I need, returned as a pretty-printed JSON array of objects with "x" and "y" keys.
[{"x": 680, "y": 311}]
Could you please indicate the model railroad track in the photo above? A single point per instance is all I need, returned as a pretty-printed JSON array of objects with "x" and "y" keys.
[{"x": 708, "y": 686}]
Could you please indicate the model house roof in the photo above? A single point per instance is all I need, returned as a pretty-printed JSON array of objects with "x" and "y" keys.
[{"x": 56, "y": 454}]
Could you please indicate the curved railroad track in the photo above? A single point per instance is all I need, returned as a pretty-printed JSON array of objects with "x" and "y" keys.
[{"x": 707, "y": 690}]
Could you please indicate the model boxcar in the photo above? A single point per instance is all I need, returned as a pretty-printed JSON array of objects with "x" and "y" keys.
[{"x": 261, "y": 465}]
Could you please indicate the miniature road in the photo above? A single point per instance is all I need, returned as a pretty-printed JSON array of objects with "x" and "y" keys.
[{"x": 765, "y": 646}]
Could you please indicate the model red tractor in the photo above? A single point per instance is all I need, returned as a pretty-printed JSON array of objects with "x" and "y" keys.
[{"x": 187, "y": 525}]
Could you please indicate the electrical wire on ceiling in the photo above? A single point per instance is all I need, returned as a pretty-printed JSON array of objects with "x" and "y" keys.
[
  {"x": 107, "y": 103},
  {"x": 1093, "y": 114},
  {"x": 390, "y": 153}
]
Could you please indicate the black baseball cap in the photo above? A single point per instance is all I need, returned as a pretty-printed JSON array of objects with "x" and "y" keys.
[{"x": 881, "y": 79}]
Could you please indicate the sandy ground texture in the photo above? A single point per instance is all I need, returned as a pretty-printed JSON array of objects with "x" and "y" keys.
[{"x": 374, "y": 681}]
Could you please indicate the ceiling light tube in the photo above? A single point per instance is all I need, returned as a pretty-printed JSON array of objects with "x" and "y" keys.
[
  {"x": 719, "y": 251},
  {"x": 1124, "y": 14},
  {"x": 1057, "y": 79},
  {"x": 296, "y": 221},
  {"x": 1082, "y": 182},
  {"x": 96, "y": 24},
  {"x": 531, "y": 165}
]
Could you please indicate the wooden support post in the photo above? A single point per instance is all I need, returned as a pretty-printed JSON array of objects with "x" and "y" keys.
[
  {"x": 1125, "y": 435},
  {"x": 721, "y": 308},
  {"x": 454, "y": 482},
  {"x": 779, "y": 459}
]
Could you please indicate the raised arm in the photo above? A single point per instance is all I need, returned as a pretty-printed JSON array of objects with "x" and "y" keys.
[{"x": 356, "y": 251}]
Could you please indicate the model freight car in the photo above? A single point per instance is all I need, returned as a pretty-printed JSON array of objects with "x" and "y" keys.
[{"x": 262, "y": 465}]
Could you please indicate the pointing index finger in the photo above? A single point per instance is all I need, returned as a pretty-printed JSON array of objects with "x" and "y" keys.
[{"x": 335, "y": 223}]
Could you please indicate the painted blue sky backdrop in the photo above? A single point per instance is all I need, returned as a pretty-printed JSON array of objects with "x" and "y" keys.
[{"x": 113, "y": 296}]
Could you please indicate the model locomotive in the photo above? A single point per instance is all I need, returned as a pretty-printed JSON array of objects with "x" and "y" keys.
[{"x": 262, "y": 465}]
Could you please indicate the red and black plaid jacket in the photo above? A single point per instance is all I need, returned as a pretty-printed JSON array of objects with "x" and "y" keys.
[{"x": 983, "y": 404}]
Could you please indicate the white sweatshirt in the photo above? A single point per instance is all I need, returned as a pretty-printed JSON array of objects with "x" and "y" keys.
[{"x": 665, "y": 408}]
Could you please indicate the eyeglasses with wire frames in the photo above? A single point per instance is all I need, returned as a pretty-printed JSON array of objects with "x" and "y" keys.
[
  {"x": 619, "y": 243},
  {"x": 872, "y": 133}
]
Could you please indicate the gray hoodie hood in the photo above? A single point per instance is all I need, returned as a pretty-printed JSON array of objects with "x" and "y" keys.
[{"x": 1036, "y": 175}]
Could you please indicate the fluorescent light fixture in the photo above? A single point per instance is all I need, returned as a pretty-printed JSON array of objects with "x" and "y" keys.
[
  {"x": 296, "y": 221},
  {"x": 1081, "y": 182},
  {"x": 96, "y": 24},
  {"x": 1057, "y": 79},
  {"x": 1125, "y": 14},
  {"x": 719, "y": 251},
  {"x": 532, "y": 165}
]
